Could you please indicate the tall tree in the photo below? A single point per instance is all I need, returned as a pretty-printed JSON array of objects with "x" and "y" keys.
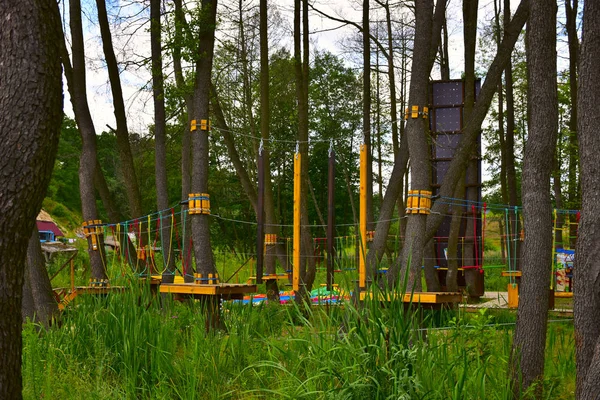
[
  {"x": 367, "y": 108},
  {"x": 76, "y": 82},
  {"x": 573, "y": 186},
  {"x": 396, "y": 183},
  {"x": 204, "y": 58},
  {"x": 529, "y": 341},
  {"x": 301, "y": 56},
  {"x": 31, "y": 100},
  {"x": 160, "y": 141},
  {"x": 469, "y": 139},
  {"x": 587, "y": 268},
  {"x": 127, "y": 165},
  {"x": 472, "y": 188},
  {"x": 265, "y": 118},
  {"x": 509, "y": 143},
  {"x": 416, "y": 129}
]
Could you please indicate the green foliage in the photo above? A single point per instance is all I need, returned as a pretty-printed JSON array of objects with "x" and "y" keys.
[
  {"x": 134, "y": 345},
  {"x": 64, "y": 184}
]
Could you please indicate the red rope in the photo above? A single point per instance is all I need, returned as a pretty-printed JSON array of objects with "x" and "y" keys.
[
  {"x": 475, "y": 236},
  {"x": 483, "y": 236}
]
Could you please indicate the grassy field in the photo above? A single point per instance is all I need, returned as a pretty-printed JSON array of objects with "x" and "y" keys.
[{"x": 132, "y": 345}]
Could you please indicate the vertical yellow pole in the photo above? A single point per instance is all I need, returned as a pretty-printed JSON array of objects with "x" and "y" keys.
[
  {"x": 362, "y": 270},
  {"x": 72, "y": 275},
  {"x": 554, "y": 250},
  {"x": 296, "y": 244}
]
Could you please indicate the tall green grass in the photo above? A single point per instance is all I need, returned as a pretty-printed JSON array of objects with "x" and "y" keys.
[{"x": 133, "y": 346}]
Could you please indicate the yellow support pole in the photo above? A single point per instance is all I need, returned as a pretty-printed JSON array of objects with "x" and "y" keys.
[
  {"x": 362, "y": 270},
  {"x": 296, "y": 243},
  {"x": 554, "y": 250}
]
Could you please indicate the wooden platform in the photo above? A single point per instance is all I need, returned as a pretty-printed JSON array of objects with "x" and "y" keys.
[
  {"x": 224, "y": 290},
  {"x": 270, "y": 277},
  {"x": 64, "y": 296},
  {"x": 442, "y": 298},
  {"x": 156, "y": 279},
  {"x": 563, "y": 294},
  {"x": 512, "y": 274}
]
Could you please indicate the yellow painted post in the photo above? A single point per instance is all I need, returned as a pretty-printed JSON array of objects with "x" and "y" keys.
[
  {"x": 362, "y": 270},
  {"x": 72, "y": 275},
  {"x": 513, "y": 295},
  {"x": 296, "y": 244}
]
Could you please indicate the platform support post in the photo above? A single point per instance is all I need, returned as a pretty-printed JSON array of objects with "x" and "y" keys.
[
  {"x": 362, "y": 270},
  {"x": 260, "y": 214},
  {"x": 297, "y": 208},
  {"x": 330, "y": 218}
]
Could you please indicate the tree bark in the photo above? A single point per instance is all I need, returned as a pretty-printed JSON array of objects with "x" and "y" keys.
[
  {"x": 31, "y": 100},
  {"x": 529, "y": 342},
  {"x": 42, "y": 307},
  {"x": 509, "y": 151},
  {"x": 88, "y": 160},
  {"x": 573, "y": 186},
  {"x": 473, "y": 126},
  {"x": 127, "y": 165},
  {"x": 411, "y": 256},
  {"x": 587, "y": 269},
  {"x": 471, "y": 180},
  {"x": 367, "y": 110},
  {"x": 160, "y": 143},
  {"x": 265, "y": 118},
  {"x": 200, "y": 222}
]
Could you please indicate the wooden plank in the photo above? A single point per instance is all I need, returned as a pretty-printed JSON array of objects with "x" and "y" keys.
[
  {"x": 207, "y": 290},
  {"x": 419, "y": 297},
  {"x": 270, "y": 277},
  {"x": 512, "y": 274},
  {"x": 563, "y": 294},
  {"x": 98, "y": 289}
]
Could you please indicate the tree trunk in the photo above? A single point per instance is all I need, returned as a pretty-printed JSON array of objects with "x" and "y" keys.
[
  {"x": 509, "y": 151},
  {"x": 394, "y": 192},
  {"x": 529, "y": 342},
  {"x": 76, "y": 83},
  {"x": 573, "y": 187},
  {"x": 411, "y": 256},
  {"x": 392, "y": 79},
  {"x": 473, "y": 126},
  {"x": 587, "y": 269},
  {"x": 367, "y": 110},
  {"x": 453, "y": 238},
  {"x": 472, "y": 180},
  {"x": 444, "y": 58},
  {"x": 265, "y": 117},
  {"x": 160, "y": 146},
  {"x": 41, "y": 307},
  {"x": 186, "y": 141},
  {"x": 30, "y": 123},
  {"x": 127, "y": 166},
  {"x": 200, "y": 222}
]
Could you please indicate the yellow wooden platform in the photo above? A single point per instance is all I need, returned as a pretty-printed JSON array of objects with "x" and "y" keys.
[
  {"x": 418, "y": 297},
  {"x": 270, "y": 277},
  {"x": 156, "y": 279},
  {"x": 225, "y": 290},
  {"x": 563, "y": 294},
  {"x": 512, "y": 274},
  {"x": 64, "y": 296}
]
